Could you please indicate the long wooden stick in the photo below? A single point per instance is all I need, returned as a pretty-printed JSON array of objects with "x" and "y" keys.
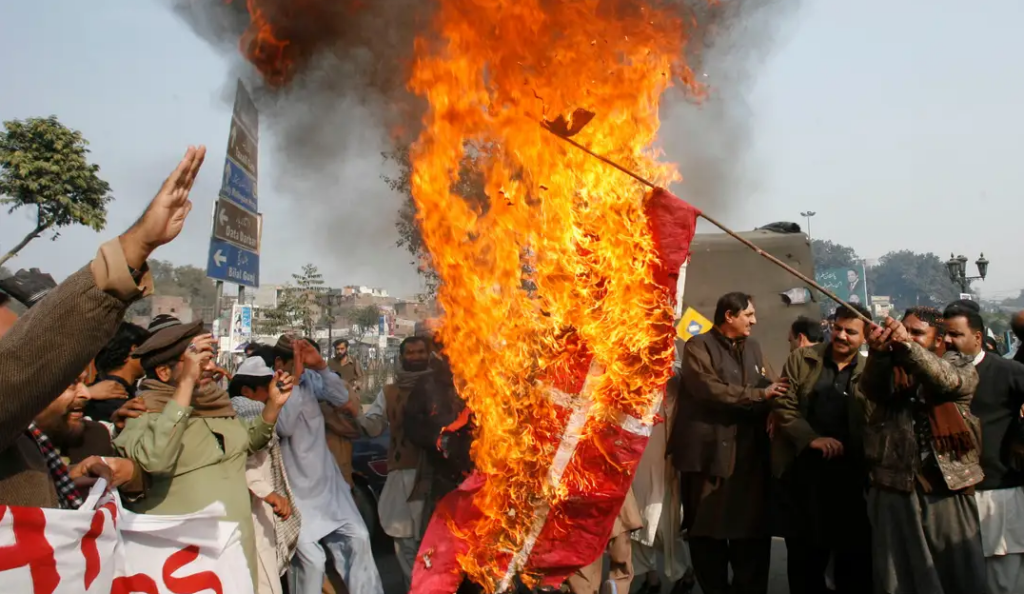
[{"x": 727, "y": 230}]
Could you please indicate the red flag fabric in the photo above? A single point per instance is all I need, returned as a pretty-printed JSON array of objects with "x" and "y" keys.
[{"x": 574, "y": 532}]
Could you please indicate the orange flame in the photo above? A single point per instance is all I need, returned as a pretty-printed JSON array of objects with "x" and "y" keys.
[
  {"x": 283, "y": 34},
  {"x": 554, "y": 273},
  {"x": 261, "y": 45}
]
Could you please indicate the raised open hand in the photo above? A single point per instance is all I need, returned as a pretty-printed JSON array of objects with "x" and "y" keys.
[{"x": 165, "y": 216}]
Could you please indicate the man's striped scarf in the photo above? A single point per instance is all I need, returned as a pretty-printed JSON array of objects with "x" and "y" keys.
[{"x": 287, "y": 531}]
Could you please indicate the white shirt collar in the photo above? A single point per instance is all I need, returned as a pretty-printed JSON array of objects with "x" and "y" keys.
[{"x": 979, "y": 357}]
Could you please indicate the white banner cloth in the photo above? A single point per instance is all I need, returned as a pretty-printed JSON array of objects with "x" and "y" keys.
[{"x": 104, "y": 549}]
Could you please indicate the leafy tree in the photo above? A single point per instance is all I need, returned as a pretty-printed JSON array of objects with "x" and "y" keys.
[
  {"x": 470, "y": 186},
  {"x": 278, "y": 319},
  {"x": 1017, "y": 301},
  {"x": 832, "y": 255},
  {"x": 43, "y": 164},
  {"x": 366, "y": 318},
  {"x": 308, "y": 293},
  {"x": 911, "y": 279}
]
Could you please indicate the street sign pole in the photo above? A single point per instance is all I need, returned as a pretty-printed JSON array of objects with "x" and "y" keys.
[
  {"x": 234, "y": 254},
  {"x": 220, "y": 296}
]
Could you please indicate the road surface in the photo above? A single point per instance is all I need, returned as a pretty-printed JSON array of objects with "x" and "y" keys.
[{"x": 391, "y": 573}]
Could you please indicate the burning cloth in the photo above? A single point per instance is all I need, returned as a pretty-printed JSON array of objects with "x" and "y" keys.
[{"x": 602, "y": 446}]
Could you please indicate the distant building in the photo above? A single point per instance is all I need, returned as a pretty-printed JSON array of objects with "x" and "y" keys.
[
  {"x": 169, "y": 305},
  {"x": 363, "y": 290},
  {"x": 267, "y": 296}
]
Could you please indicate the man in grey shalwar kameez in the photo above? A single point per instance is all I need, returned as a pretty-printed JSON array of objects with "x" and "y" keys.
[
  {"x": 331, "y": 524},
  {"x": 922, "y": 447}
]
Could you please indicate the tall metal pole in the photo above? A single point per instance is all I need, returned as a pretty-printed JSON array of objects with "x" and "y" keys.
[
  {"x": 807, "y": 215},
  {"x": 217, "y": 303}
]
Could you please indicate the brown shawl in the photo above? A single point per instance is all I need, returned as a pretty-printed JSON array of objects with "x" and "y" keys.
[
  {"x": 207, "y": 401},
  {"x": 950, "y": 433}
]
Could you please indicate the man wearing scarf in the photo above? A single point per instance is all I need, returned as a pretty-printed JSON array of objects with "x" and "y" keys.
[
  {"x": 190, "y": 442},
  {"x": 273, "y": 511},
  {"x": 719, "y": 445},
  {"x": 922, "y": 449},
  {"x": 331, "y": 523},
  {"x": 401, "y": 503}
]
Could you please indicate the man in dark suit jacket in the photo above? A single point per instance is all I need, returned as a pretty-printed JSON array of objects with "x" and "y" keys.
[
  {"x": 997, "y": 404},
  {"x": 719, "y": 445}
]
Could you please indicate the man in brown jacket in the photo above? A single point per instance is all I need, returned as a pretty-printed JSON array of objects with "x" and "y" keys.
[
  {"x": 720, "y": 447},
  {"x": 48, "y": 347},
  {"x": 818, "y": 453},
  {"x": 338, "y": 421},
  {"x": 923, "y": 452}
]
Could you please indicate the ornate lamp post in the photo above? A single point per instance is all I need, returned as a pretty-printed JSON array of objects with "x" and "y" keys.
[{"x": 957, "y": 267}]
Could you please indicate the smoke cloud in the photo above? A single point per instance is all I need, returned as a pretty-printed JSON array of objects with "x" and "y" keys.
[
  {"x": 337, "y": 99},
  {"x": 709, "y": 140}
]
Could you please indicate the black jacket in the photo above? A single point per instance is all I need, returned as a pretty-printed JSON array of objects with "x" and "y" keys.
[{"x": 997, "y": 403}]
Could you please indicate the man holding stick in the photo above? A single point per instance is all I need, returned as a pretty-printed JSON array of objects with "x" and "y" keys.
[{"x": 922, "y": 447}]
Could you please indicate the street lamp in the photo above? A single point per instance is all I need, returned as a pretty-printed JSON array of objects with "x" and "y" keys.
[
  {"x": 957, "y": 267},
  {"x": 807, "y": 215}
]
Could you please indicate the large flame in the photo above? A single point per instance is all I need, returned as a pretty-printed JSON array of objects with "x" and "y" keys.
[{"x": 552, "y": 276}]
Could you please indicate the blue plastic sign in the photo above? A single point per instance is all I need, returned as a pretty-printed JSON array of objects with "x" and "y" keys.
[
  {"x": 239, "y": 187},
  {"x": 233, "y": 264}
]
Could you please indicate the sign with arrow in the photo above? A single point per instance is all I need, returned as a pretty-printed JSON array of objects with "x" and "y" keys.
[
  {"x": 236, "y": 225},
  {"x": 235, "y": 242},
  {"x": 232, "y": 264}
]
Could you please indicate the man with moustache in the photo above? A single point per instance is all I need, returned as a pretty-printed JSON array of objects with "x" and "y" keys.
[
  {"x": 818, "y": 454},
  {"x": 997, "y": 404},
  {"x": 63, "y": 435},
  {"x": 48, "y": 348},
  {"x": 923, "y": 452},
  {"x": 719, "y": 445},
  {"x": 401, "y": 502},
  {"x": 346, "y": 365}
]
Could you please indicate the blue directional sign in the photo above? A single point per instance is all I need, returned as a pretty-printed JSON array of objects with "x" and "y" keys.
[
  {"x": 228, "y": 262},
  {"x": 232, "y": 264},
  {"x": 238, "y": 186}
]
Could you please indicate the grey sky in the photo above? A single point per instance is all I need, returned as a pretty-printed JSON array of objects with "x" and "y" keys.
[{"x": 899, "y": 123}]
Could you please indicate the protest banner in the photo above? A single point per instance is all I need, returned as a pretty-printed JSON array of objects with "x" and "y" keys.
[{"x": 104, "y": 549}]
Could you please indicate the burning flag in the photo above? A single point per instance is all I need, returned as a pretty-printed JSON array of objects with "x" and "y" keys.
[
  {"x": 568, "y": 532},
  {"x": 558, "y": 287},
  {"x": 564, "y": 376}
]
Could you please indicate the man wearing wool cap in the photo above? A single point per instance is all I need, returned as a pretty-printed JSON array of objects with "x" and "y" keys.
[{"x": 191, "y": 442}]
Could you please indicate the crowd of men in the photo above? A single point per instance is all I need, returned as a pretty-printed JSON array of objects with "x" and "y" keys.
[
  {"x": 896, "y": 472},
  {"x": 899, "y": 471}
]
